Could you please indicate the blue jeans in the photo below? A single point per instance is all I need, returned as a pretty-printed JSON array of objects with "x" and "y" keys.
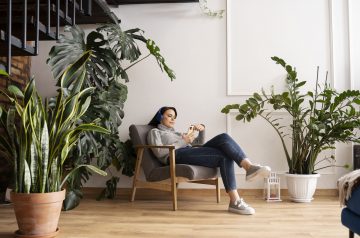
[{"x": 221, "y": 151}]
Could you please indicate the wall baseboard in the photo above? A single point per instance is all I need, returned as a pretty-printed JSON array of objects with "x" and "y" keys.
[{"x": 142, "y": 193}]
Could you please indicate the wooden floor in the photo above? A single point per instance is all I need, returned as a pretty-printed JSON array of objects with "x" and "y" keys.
[{"x": 198, "y": 216}]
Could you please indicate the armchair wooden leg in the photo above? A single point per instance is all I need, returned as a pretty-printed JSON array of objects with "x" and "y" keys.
[
  {"x": 133, "y": 191},
  {"x": 140, "y": 153},
  {"x": 173, "y": 179},
  {"x": 217, "y": 190},
  {"x": 351, "y": 234},
  {"x": 174, "y": 195}
]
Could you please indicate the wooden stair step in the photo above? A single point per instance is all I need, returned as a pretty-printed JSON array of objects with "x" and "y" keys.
[{"x": 17, "y": 47}]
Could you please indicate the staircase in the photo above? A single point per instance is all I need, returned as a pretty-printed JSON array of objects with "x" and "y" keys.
[{"x": 24, "y": 23}]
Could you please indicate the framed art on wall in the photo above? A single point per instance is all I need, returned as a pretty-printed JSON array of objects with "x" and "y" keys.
[{"x": 298, "y": 31}]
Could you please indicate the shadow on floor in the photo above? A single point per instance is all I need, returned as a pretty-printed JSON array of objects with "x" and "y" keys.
[{"x": 7, "y": 234}]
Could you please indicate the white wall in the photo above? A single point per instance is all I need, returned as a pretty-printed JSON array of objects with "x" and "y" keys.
[{"x": 194, "y": 45}]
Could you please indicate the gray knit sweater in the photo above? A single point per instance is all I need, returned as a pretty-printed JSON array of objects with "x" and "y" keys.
[{"x": 163, "y": 135}]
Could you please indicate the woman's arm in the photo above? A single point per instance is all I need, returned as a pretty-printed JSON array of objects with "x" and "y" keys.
[
  {"x": 200, "y": 139},
  {"x": 154, "y": 138}
]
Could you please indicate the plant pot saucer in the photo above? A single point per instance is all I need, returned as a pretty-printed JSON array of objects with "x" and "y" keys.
[
  {"x": 301, "y": 200},
  {"x": 48, "y": 235}
]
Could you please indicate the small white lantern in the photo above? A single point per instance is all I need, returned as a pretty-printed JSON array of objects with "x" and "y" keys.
[{"x": 272, "y": 188}]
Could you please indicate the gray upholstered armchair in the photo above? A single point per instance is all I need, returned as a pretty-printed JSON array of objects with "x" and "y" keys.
[{"x": 158, "y": 176}]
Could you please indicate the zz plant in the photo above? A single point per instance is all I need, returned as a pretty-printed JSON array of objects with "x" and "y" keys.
[
  {"x": 38, "y": 135},
  {"x": 319, "y": 119}
]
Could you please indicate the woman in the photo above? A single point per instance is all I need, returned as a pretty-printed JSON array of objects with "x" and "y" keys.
[{"x": 221, "y": 151}]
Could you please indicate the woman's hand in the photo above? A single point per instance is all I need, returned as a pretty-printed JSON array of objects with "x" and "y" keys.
[
  {"x": 188, "y": 138},
  {"x": 199, "y": 127}
]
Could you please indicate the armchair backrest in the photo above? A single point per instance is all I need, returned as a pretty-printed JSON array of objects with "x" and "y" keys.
[{"x": 138, "y": 136}]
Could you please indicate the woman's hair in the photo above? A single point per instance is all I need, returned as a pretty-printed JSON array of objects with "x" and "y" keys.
[{"x": 159, "y": 114}]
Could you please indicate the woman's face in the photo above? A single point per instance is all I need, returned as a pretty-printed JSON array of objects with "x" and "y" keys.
[{"x": 169, "y": 118}]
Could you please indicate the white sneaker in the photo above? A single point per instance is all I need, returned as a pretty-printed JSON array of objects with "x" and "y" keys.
[
  {"x": 241, "y": 207},
  {"x": 257, "y": 171}
]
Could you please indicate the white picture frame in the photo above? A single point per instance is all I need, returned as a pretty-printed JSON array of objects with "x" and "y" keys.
[
  {"x": 354, "y": 43},
  {"x": 249, "y": 67}
]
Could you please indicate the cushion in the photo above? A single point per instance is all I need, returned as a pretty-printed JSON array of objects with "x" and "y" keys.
[
  {"x": 353, "y": 203},
  {"x": 350, "y": 220},
  {"x": 191, "y": 172}
]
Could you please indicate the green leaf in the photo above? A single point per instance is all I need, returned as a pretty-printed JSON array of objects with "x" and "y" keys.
[
  {"x": 69, "y": 74},
  {"x": 91, "y": 127},
  {"x": 155, "y": 51},
  {"x": 225, "y": 110},
  {"x": 293, "y": 75},
  {"x": 33, "y": 163},
  {"x": 44, "y": 152},
  {"x": 298, "y": 85},
  {"x": 244, "y": 108},
  {"x": 239, "y": 117},
  {"x": 72, "y": 199},
  {"x": 29, "y": 90},
  {"x": 91, "y": 167},
  {"x": 3, "y": 73},
  {"x": 27, "y": 178},
  {"x": 257, "y": 96},
  {"x": 96, "y": 170},
  {"x": 85, "y": 106},
  {"x": 289, "y": 69},
  {"x": 278, "y": 61},
  {"x": 65, "y": 149},
  {"x": 252, "y": 102},
  {"x": 110, "y": 190},
  {"x": 15, "y": 91}
]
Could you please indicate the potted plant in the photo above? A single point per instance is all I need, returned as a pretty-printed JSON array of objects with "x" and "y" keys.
[
  {"x": 319, "y": 120},
  {"x": 36, "y": 140}
]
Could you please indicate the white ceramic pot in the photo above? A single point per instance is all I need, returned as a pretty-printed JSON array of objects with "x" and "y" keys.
[{"x": 301, "y": 187}]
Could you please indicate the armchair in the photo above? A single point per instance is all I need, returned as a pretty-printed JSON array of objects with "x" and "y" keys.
[
  {"x": 165, "y": 177},
  {"x": 350, "y": 215}
]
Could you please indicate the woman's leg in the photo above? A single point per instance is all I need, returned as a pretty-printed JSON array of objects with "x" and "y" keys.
[
  {"x": 228, "y": 146},
  {"x": 212, "y": 157},
  {"x": 232, "y": 150},
  {"x": 209, "y": 157}
]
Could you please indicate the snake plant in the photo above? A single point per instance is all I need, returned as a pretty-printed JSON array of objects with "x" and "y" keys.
[{"x": 38, "y": 134}]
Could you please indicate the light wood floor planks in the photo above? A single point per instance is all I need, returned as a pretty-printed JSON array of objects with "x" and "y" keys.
[{"x": 198, "y": 216}]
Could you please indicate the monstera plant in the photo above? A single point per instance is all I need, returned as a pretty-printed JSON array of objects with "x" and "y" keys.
[{"x": 111, "y": 47}]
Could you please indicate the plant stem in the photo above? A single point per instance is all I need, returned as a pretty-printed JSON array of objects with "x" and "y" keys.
[
  {"x": 339, "y": 166},
  {"x": 136, "y": 62}
]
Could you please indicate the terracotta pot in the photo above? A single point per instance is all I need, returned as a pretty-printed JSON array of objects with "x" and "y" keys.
[{"x": 37, "y": 214}]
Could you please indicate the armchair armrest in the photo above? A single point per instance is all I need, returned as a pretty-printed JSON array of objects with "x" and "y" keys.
[
  {"x": 171, "y": 148},
  {"x": 171, "y": 152},
  {"x": 155, "y": 146}
]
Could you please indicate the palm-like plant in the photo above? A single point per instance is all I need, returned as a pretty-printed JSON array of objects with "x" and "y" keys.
[
  {"x": 110, "y": 46},
  {"x": 38, "y": 135},
  {"x": 319, "y": 119}
]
